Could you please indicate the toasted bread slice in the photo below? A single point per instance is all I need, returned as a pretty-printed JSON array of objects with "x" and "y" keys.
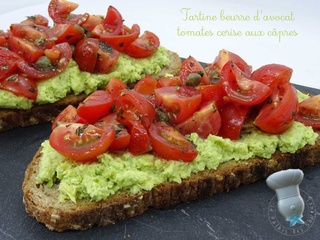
[
  {"x": 13, "y": 118},
  {"x": 42, "y": 202}
]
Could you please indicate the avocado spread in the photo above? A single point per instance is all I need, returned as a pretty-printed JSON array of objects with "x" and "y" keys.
[
  {"x": 72, "y": 80},
  {"x": 113, "y": 172}
]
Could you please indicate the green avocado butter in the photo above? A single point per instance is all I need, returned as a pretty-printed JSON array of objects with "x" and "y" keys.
[
  {"x": 113, "y": 172},
  {"x": 72, "y": 80},
  {"x": 10, "y": 100}
]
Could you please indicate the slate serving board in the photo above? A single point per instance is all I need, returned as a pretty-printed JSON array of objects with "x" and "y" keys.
[{"x": 239, "y": 214}]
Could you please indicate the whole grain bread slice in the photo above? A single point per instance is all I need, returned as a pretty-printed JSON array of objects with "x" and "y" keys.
[
  {"x": 42, "y": 203},
  {"x": 13, "y": 118}
]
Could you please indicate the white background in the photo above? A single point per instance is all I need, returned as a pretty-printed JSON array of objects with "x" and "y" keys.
[{"x": 301, "y": 52}]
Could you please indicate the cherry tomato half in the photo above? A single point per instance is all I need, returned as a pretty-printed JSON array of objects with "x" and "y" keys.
[
  {"x": 143, "y": 46},
  {"x": 169, "y": 81},
  {"x": 91, "y": 23},
  {"x": 122, "y": 41},
  {"x": 212, "y": 92},
  {"x": 20, "y": 85},
  {"x": 39, "y": 36},
  {"x": 70, "y": 33},
  {"x": 60, "y": 11},
  {"x": 115, "y": 86},
  {"x": 68, "y": 115},
  {"x": 146, "y": 85},
  {"x": 37, "y": 19},
  {"x": 121, "y": 138},
  {"x": 272, "y": 74},
  {"x": 27, "y": 50},
  {"x": 192, "y": 66},
  {"x": 4, "y": 42},
  {"x": 30, "y": 41},
  {"x": 240, "y": 88},
  {"x": 232, "y": 119},
  {"x": 135, "y": 106},
  {"x": 224, "y": 56},
  {"x": 309, "y": 112},
  {"x": 65, "y": 54},
  {"x": 8, "y": 62},
  {"x": 95, "y": 106},
  {"x": 178, "y": 102},
  {"x": 139, "y": 139},
  {"x": 205, "y": 121},
  {"x": 80, "y": 142},
  {"x": 170, "y": 144},
  {"x": 113, "y": 22},
  {"x": 277, "y": 113},
  {"x": 95, "y": 56}
]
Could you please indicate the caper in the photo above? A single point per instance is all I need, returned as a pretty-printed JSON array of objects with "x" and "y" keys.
[
  {"x": 193, "y": 79},
  {"x": 43, "y": 63},
  {"x": 162, "y": 116},
  {"x": 105, "y": 47}
]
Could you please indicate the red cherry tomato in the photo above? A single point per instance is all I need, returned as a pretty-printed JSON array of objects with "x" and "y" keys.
[
  {"x": 309, "y": 112},
  {"x": 308, "y": 121},
  {"x": 169, "y": 81},
  {"x": 60, "y": 11},
  {"x": 68, "y": 115},
  {"x": 4, "y": 42},
  {"x": 69, "y": 33},
  {"x": 121, "y": 138},
  {"x": 212, "y": 92},
  {"x": 37, "y": 35},
  {"x": 80, "y": 142},
  {"x": 25, "y": 49},
  {"x": 178, "y": 102},
  {"x": 205, "y": 121},
  {"x": 91, "y": 23},
  {"x": 122, "y": 41},
  {"x": 37, "y": 19},
  {"x": 113, "y": 22},
  {"x": 170, "y": 144},
  {"x": 65, "y": 54},
  {"x": 191, "y": 65},
  {"x": 95, "y": 56},
  {"x": 86, "y": 53},
  {"x": 232, "y": 119},
  {"x": 224, "y": 56},
  {"x": 20, "y": 85},
  {"x": 272, "y": 74},
  {"x": 139, "y": 138},
  {"x": 8, "y": 62},
  {"x": 95, "y": 106},
  {"x": 30, "y": 41},
  {"x": 115, "y": 86},
  {"x": 107, "y": 58},
  {"x": 135, "y": 106},
  {"x": 277, "y": 114},
  {"x": 240, "y": 88},
  {"x": 143, "y": 46},
  {"x": 146, "y": 85}
]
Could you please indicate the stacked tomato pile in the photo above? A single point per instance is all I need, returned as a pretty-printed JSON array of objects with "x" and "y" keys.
[
  {"x": 32, "y": 51},
  {"x": 156, "y": 115}
]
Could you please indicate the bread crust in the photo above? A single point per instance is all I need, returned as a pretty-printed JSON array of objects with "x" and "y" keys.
[
  {"x": 42, "y": 203},
  {"x": 13, "y": 118}
]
